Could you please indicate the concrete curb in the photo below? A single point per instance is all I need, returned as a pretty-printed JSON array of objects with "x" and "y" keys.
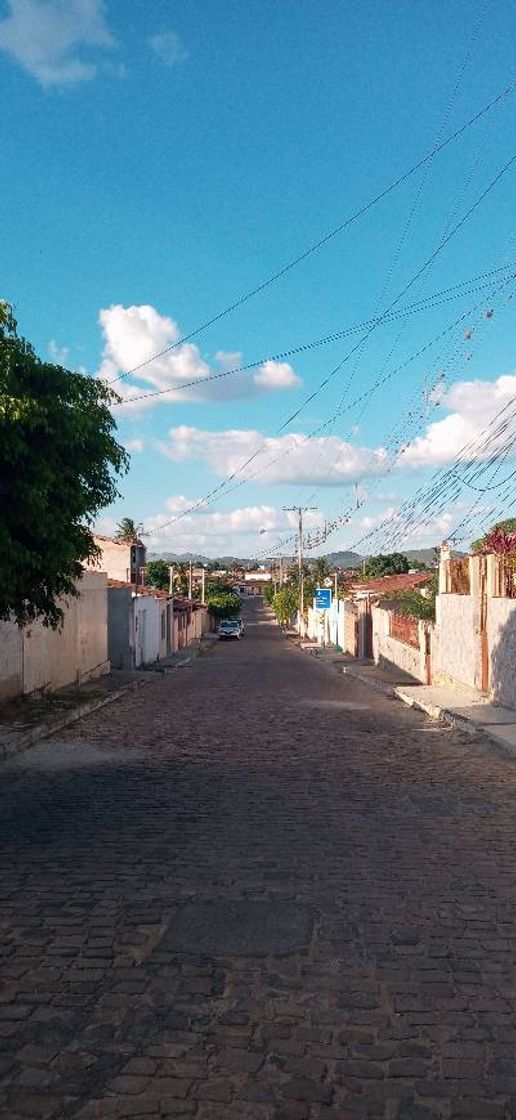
[
  {"x": 378, "y": 685},
  {"x": 39, "y": 731},
  {"x": 23, "y": 740}
]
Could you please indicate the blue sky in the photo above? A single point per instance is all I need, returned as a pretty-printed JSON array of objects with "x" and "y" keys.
[{"x": 166, "y": 158}]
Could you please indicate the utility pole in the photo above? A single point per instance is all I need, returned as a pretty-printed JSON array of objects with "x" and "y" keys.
[
  {"x": 171, "y": 593},
  {"x": 190, "y": 575},
  {"x": 203, "y": 582},
  {"x": 300, "y": 510}
]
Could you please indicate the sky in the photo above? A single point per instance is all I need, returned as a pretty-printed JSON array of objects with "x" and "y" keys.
[{"x": 163, "y": 161}]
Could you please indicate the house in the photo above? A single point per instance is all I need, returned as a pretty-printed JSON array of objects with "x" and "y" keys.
[
  {"x": 120, "y": 560},
  {"x": 148, "y": 625}
]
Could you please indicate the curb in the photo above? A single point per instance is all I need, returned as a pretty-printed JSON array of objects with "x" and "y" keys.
[
  {"x": 43, "y": 730},
  {"x": 40, "y": 731},
  {"x": 378, "y": 686}
]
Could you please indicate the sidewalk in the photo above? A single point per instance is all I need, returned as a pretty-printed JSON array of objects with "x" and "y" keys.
[
  {"x": 26, "y": 720},
  {"x": 461, "y": 707}
]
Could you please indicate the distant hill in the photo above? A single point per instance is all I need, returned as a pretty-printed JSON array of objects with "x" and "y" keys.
[{"x": 344, "y": 559}]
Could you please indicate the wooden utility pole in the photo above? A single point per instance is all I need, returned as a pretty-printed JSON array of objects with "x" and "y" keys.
[
  {"x": 300, "y": 510},
  {"x": 190, "y": 576},
  {"x": 171, "y": 593}
]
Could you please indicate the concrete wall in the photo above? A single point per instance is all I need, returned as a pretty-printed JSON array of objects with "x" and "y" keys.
[
  {"x": 76, "y": 652},
  {"x": 456, "y": 652},
  {"x": 11, "y": 661},
  {"x": 390, "y": 651},
  {"x": 501, "y": 634}
]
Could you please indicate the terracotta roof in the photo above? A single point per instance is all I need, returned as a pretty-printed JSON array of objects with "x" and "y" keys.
[
  {"x": 116, "y": 540},
  {"x": 387, "y": 584}
]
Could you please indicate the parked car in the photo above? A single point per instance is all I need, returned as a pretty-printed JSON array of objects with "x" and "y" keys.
[
  {"x": 230, "y": 629},
  {"x": 241, "y": 625}
]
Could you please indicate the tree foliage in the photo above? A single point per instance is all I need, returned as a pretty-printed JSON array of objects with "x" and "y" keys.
[
  {"x": 417, "y": 605},
  {"x": 392, "y": 564},
  {"x": 285, "y": 604},
  {"x": 223, "y": 602},
  {"x": 157, "y": 574},
  {"x": 268, "y": 593},
  {"x": 319, "y": 570},
  {"x": 58, "y": 461},
  {"x": 128, "y": 530}
]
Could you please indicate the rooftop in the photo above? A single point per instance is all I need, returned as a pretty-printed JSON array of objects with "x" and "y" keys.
[{"x": 387, "y": 584}]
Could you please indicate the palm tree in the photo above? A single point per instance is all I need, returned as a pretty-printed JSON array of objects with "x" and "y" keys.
[
  {"x": 127, "y": 530},
  {"x": 182, "y": 577}
]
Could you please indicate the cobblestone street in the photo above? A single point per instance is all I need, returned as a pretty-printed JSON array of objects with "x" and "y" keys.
[{"x": 255, "y": 889}]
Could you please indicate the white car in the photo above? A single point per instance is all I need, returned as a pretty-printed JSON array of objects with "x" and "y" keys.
[{"x": 231, "y": 628}]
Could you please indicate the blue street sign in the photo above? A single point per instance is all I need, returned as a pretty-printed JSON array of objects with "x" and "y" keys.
[{"x": 323, "y": 598}]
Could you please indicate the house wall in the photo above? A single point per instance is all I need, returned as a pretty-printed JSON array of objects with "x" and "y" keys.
[
  {"x": 501, "y": 636},
  {"x": 456, "y": 653},
  {"x": 115, "y": 559},
  {"x": 121, "y": 627},
  {"x": 77, "y": 651},
  {"x": 11, "y": 660}
]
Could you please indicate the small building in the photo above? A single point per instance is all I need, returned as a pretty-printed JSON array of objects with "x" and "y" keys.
[
  {"x": 148, "y": 626},
  {"x": 120, "y": 560}
]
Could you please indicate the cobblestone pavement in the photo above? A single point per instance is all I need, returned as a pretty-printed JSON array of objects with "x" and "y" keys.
[{"x": 256, "y": 890}]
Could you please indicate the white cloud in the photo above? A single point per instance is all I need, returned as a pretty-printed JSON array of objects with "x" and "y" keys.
[
  {"x": 168, "y": 47},
  {"x": 56, "y": 40},
  {"x": 276, "y": 375},
  {"x": 59, "y": 354},
  {"x": 239, "y": 531},
  {"x": 134, "y": 334},
  {"x": 133, "y": 445},
  {"x": 471, "y": 404},
  {"x": 293, "y": 458},
  {"x": 229, "y": 359}
]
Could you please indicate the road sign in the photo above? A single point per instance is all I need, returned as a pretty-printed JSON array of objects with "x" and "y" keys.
[{"x": 323, "y": 598}]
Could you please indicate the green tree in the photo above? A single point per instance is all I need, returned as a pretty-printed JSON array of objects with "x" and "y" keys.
[
  {"x": 268, "y": 593},
  {"x": 223, "y": 603},
  {"x": 182, "y": 577},
  {"x": 58, "y": 461},
  {"x": 416, "y": 604},
  {"x": 285, "y": 604},
  {"x": 392, "y": 564},
  {"x": 319, "y": 570},
  {"x": 128, "y": 530},
  {"x": 157, "y": 574}
]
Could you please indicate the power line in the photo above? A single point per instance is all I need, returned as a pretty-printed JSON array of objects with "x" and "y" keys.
[
  {"x": 437, "y": 299},
  {"x": 315, "y": 246},
  {"x": 238, "y": 470}
]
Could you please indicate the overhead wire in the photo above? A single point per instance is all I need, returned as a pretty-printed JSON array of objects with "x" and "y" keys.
[{"x": 320, "y": 242}]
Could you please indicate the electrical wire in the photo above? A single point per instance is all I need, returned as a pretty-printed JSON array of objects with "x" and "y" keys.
[{"x": 315, "y": 246}]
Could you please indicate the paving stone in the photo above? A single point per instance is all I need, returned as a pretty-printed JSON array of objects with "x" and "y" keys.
[{"x": 227, "y": 905}]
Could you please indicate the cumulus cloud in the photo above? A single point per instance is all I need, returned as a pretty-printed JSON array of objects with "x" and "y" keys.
[
  {"x": 57, "y": 41},
  {"x": 134, "y": 445},
  {"x": 471, "y": 406},
  {"x": 133, "y": 335},
  {"x": 168, "y": 47},
  {"x": 243, "y": 531},
  {"x": 292, "y": 458}
]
